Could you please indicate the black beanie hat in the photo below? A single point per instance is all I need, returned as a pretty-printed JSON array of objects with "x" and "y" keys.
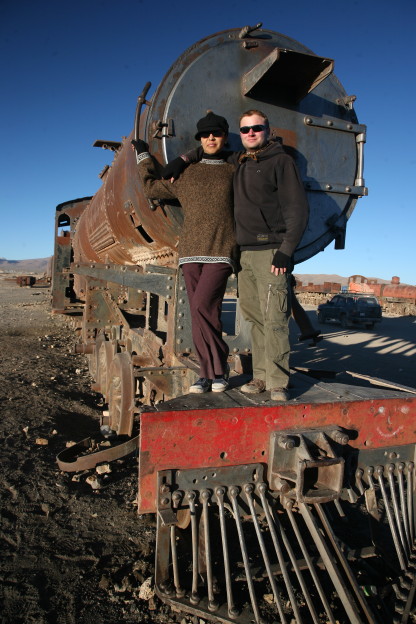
[{"x": 211, "y": 123}]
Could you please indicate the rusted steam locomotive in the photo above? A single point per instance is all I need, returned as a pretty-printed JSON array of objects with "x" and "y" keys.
[{"x": 301, "y": 511}]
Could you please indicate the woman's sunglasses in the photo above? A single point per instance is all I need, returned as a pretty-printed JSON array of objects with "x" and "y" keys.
[{"x": 215, "y": 133}]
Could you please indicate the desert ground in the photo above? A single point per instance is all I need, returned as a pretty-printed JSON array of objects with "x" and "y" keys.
[{"x": 70, "y": 554}]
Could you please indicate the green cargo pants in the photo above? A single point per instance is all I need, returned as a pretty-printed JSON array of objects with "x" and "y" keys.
[{"x": 265, "y": 304}]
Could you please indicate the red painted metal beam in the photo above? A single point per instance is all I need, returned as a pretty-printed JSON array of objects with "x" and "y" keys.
[{"x": 240, "y": 435}]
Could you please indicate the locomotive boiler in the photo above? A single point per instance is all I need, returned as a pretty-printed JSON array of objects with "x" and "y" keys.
[{"x": 301, "y": 511}]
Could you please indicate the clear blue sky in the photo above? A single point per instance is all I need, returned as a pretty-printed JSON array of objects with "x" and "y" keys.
[{"x": 71, "y": 72}]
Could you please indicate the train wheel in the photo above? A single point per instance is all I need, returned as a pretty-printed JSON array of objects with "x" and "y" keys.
[
  {"x": 121, "y": 392},
  {"x": 93, "y": 360},
  {"x": 106, "y": 354}
]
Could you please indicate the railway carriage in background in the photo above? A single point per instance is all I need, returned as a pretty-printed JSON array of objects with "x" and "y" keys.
[{"x": 300, "y": 511}]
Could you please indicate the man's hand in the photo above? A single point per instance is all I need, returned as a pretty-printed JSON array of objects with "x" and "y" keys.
[
  {"x": 173, "y": 169},
  {"x": 281, "y": 263},
  {"x": 140, "y": 146}
]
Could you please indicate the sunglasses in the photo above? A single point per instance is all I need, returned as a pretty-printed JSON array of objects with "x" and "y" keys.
[
  {"x": 256, "y": 128},
  {"x": 215, "y": 133}
]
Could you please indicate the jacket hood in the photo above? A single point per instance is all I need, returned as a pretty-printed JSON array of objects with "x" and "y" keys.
[{"x": 269, "y": 151}]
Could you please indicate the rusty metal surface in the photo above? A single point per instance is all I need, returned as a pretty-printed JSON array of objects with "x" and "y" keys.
[
  {"x": 238, "y": 433},
  {"x": 120, "y": 226},
  {"x": 233, "y": 548}
]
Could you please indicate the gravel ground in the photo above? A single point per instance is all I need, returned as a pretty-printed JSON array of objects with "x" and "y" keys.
[{"x": 70, "y": 554}]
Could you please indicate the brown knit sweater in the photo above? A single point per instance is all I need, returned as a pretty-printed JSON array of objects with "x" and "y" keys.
[{"x": 205, "y": 192}]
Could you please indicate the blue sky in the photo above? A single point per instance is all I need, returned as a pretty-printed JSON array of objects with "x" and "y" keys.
[{"x": 71, "y": 73}]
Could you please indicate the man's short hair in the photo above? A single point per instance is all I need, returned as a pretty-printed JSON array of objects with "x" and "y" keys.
[{"x": 255, "y": 111}]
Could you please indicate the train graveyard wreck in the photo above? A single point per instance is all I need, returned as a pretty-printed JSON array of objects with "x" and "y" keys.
[{"x": 264, "y": 511}]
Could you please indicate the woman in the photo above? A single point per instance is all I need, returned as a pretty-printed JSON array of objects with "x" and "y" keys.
[{"x": 206, "y": 244}]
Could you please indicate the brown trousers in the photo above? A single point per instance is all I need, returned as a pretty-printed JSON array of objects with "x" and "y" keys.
[{"x": 205, "y": 285}]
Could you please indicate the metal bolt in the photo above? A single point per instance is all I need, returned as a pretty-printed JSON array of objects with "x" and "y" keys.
[
  {"x": 213, "y": 605},
  {"x": 286, "y": 443},
  {"x": 176, "y": 496},
  {"x": 340, "y": 437},
  {"x": 281, "y": 486},
  {"x": 205, "y": 494}
]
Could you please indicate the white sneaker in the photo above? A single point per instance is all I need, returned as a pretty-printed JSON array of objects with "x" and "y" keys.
[
  {"x": 219, "y": 385},
  {"x": 200, "y": 386}
]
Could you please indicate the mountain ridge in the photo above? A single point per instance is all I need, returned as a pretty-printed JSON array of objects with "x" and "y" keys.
[{"x": 40, "y": 265}]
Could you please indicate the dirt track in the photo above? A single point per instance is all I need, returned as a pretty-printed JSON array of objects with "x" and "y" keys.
[{"x": 69, "y": 554}]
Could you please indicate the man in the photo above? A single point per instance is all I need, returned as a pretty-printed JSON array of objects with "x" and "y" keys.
[{"x": 271, "y": 213}]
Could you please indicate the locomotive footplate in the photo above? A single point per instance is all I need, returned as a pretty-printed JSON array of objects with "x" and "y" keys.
[{"x": 326, "y": 535}]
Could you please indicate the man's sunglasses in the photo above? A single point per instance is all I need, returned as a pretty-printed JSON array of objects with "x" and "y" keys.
[
  {"x": 256, "y": 128},
  {"x": 215, "y": 133}
]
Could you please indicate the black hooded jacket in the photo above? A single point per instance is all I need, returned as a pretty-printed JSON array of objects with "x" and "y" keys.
[{"x": 270, "y": 205}]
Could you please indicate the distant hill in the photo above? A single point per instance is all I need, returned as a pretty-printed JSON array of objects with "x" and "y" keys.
[{"x": 38, "y": 265}]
